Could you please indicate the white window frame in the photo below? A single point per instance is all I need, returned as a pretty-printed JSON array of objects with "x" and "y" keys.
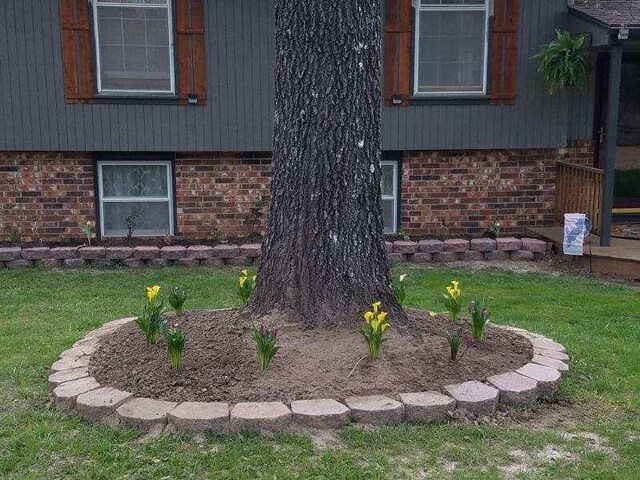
[
  {"x": 172, "y": 76},
  {"x": 169, "y": 199},
  {"x": 394, "y": 196},
  {"x": 488, "y": 8}
]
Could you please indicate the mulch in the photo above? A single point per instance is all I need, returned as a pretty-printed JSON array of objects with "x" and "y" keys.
[{"x": 220, "y": 362}]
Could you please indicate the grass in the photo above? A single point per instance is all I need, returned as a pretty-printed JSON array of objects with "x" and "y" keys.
[{"x": 44, "y": 312}]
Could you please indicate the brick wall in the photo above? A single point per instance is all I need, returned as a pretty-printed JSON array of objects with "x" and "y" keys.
[
  {"x": 45, "y": 195},
  {"x": 49, "y": 195},
  {"x": 463, "y": 192},
  {"x": 215, "y": 193}
]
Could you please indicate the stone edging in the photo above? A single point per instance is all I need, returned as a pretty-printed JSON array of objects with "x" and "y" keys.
[
  {"x": 74, "y": 390},
  {"x": 424, "y": 251}
]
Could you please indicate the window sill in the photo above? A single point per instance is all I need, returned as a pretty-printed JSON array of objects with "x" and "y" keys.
[
  {"x": 137, "y": 100},
  {"x": 480, "y": 99}
]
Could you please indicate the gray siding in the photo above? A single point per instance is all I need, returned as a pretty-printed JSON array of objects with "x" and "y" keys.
[{"x": 238, "y": 114}]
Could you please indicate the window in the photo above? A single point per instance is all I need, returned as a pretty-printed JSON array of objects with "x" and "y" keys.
[
  {"x": 137, "y": 190},
  {"x": 134, "y": 46},
  {"x": 451, "y": 47},
  {"x": 390, "y": 195}
]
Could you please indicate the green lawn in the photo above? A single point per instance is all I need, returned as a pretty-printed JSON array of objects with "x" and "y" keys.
[{"x": 42, "y": 313}]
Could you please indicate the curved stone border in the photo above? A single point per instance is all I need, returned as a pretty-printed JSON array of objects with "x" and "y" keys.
[
  {"x": 74, "y": 390},
  {"x": 423, "y": 251}
]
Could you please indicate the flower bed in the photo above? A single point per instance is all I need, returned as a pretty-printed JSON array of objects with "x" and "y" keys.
[
  {"x": 423, "y": 251},
  {"x": 80, "y": 380}
]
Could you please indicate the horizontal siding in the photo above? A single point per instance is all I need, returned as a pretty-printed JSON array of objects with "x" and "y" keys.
[{"x": 238, "y": 114}]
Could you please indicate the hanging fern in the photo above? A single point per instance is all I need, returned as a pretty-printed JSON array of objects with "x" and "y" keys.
[{"x": 563, "y": 63}]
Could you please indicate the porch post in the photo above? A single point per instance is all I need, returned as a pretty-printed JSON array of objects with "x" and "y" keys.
[{"x": 611, "y": 140}]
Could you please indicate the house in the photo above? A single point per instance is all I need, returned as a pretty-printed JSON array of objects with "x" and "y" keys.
[{"x": 159, "y": 113}]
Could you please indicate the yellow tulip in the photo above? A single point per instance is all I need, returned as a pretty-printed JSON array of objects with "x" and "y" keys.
[
  {"x": 382, "y": 316},
  {"x": 376, "y": 306},
  {"x": 153, "y": 292},
  {"x": 368, "y": 316},
  {"x": 244, "y": 273},
  {"x": 455, "y": 284},
  {"x": 242, "y": 281}
]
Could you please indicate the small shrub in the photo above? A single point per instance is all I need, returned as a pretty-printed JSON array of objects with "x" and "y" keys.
[
  {"x": 266, "y": 347},
  {"x": 479, "y": 319},
  {"x": 373, "y": 328},
  {"x": 176, "y": 299},
  {"x": 399, "y": 290},
  {"x": 245, "y": 286},
  {"x": 87, "y": 230},
  {"x": 453, "y": 300},
  {"x": 131, "y": 223},
  {"x": 175, "y": 338},
  {"x": 563, "y": 62}
]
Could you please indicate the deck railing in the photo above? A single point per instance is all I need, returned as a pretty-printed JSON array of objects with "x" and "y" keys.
[{"x": 579, "y": 190}]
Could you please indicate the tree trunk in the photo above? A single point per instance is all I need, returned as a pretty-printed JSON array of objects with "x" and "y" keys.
[{"x": 323, "y": 257}]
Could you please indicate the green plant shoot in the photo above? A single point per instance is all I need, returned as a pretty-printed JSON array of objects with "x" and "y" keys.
[
  {"x": 399, "y": 290},
  {"x": 266, "y": 347},
  {"x": 453, "y": 300},
  {"x": 176, "y": 299},
  {"x": 479, "y": 319},
  {"x": 373, "y": 328},
  {"x": 175, "y": 339},
  {"x": 150, "y": 322},
  {"x": 245, "y": 286}
]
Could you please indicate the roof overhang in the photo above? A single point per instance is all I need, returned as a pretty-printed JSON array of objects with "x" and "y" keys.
[{"x": 602, "y": 33}]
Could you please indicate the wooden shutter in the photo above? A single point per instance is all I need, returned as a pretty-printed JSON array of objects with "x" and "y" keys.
[
  {"x": 76, "y": 50},
  {"x": 504, "y": 52},
  {"x": 192, "y": 75},
  {"x": 397, "y": 54}
]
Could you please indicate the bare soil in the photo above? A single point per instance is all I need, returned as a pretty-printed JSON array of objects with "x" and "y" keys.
[{"x": 220, "y": 362}]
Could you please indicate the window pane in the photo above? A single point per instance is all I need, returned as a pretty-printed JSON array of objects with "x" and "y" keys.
[
  {"x": 151, "y": 218},
  {"x": 451, "y": 51},
  {"x": 388, "y": 210},
  {"x": 135, "y": 47},
  {"x": 134, "y": 181},
  {"x": 387, "y": 179}
]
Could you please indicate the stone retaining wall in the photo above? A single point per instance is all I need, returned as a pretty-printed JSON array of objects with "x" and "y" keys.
[
  {"x": 74, "y": 389},
  {"x": 424, "y": 251}
]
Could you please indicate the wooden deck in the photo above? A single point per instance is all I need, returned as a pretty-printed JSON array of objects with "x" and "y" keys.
[{"x": 621, "y": 258}]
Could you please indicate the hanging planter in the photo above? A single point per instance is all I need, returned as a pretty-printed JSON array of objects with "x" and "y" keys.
[{"x": 564, "y": 63}]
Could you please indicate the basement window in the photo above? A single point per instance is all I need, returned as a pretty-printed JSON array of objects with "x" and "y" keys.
[
  {"x": 134, "y": 46},
  {"x": 137, "y": 193},
  {"x": 390, "y": 195}
]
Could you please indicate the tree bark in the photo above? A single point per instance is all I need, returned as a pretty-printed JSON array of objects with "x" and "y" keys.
[{"x": 323, "y": 257}]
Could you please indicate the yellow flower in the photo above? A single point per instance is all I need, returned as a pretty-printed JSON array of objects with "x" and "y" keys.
[
  {"x": 368, "y": 316},
  {"x": 242, "y": 281},
  {"x": 254, "y": 278},
  {"x": 382, "y": 316},
  {"x": 454, "y": 290},
  {"x": 376, "y": 306},
  {"x": 402, "y": 277},
  {"x": 244, "y": 273},
  {"x": 152, "y": 292},
  {"x": 385, "y": 326}
]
